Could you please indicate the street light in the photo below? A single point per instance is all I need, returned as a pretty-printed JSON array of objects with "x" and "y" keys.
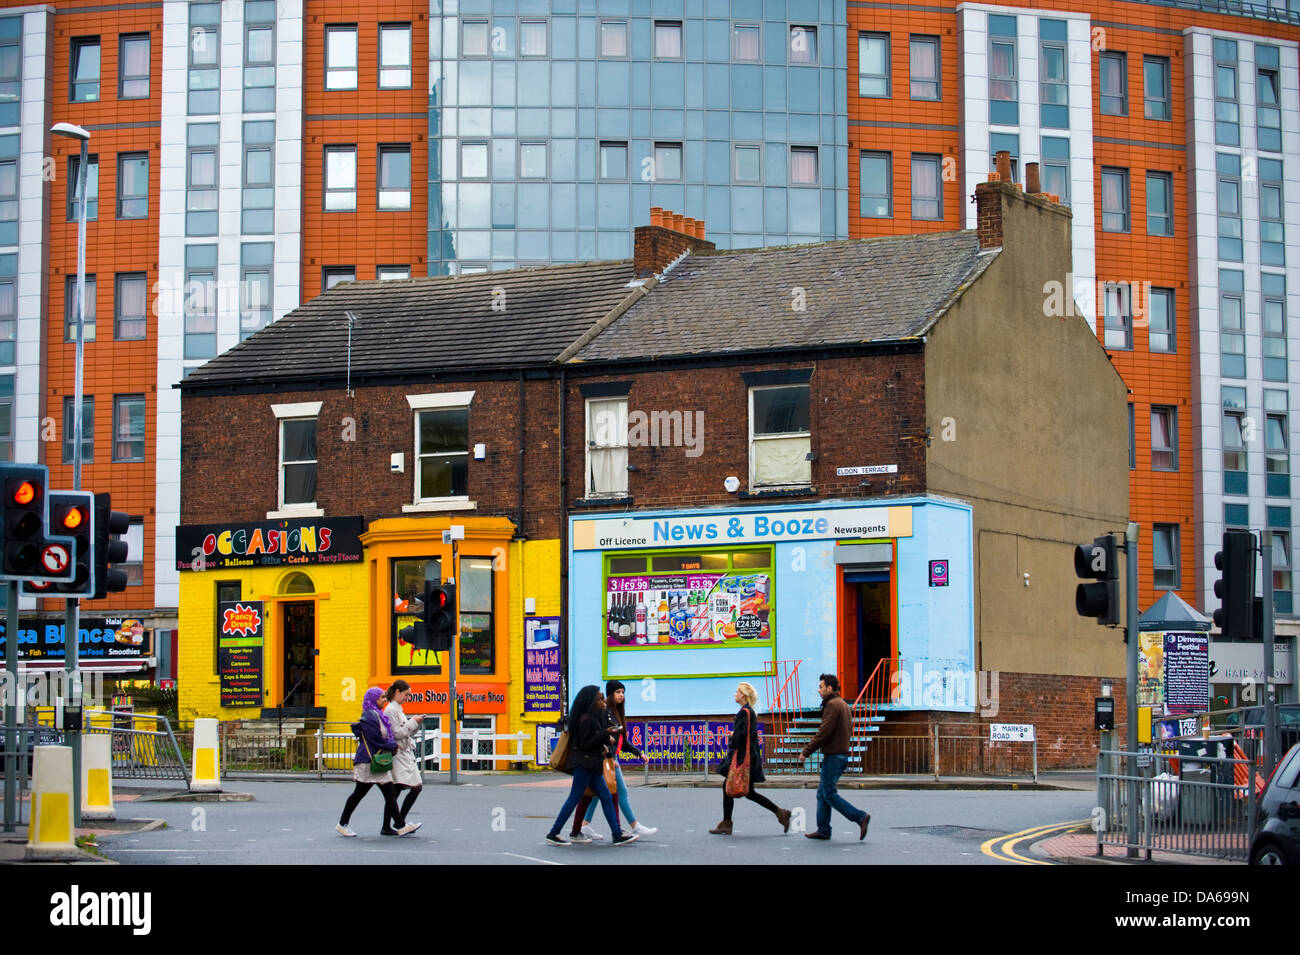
[
  {"x": 72, "y": 607},
  {"x": 73, "y": 131}
]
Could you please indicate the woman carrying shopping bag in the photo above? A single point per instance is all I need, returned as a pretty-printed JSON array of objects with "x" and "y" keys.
[
  {"x": 406, "y": 773},
  {"x": 373, "y": 763},
  {"x": 742, "y": 764}
]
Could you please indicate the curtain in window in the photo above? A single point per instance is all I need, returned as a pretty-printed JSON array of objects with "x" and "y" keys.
[
  {"x": 607, "y": 447},
  {"x": 923, "y": 63},
  {"x": 925, "y": 183},
  {"x": 782, "y": 461},
  {"x": 613, "y": 39},
  {"x": 132, "y": 294},
  {"x": 532, "y": 40},
  {"x": 668, "y": 40},
  {"x": 1112, "y": 79},
  {"x": 137, "y": 58},
  {"x": 803, "y": 166},
  {"x": 1112, "y": 193},
  {"x": 747, "y": 43},
  {"x": 1159, "y": 430},
  {"x": 1002, "y": 64}
]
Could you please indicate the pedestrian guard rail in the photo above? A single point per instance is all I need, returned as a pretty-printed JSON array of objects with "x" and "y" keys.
[{"x": 1179, "y": 798}]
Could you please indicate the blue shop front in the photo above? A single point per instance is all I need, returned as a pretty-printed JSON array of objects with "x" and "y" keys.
[{"x": 681, "y": 605}]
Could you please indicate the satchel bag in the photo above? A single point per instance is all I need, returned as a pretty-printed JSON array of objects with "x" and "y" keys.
[
  {"x": 560, "y": 755},
  {"x": 379, "y": 762}
]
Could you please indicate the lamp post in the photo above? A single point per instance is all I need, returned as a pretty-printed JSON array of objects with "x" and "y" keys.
[{"x": 71, "y": 614}]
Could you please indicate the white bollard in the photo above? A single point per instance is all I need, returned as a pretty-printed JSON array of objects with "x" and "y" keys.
[
  {"x": 97, "y": 776},
  {"x": 50, "y": 834},
  {"x": 205, "y": 773}
]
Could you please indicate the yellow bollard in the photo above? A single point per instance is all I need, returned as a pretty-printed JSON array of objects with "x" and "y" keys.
[
  {"x": 97, "y": 777},
  {"x": 49, "y": 832},
  {"x": 205, "y": 774}
]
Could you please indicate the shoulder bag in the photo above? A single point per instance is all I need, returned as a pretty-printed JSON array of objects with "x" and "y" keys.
[{"x": 738, "y": 773}]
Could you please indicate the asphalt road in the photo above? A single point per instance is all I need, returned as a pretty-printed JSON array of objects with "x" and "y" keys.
[{"x": 503, "y": 820}]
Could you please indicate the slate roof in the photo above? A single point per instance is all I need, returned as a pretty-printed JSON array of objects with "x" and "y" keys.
[
  {"x": 410, "y": 327},
  {"x": 741, "y": 301}
]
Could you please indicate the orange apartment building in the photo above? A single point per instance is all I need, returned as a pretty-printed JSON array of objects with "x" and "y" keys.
[{"x": 286, "y": 146}]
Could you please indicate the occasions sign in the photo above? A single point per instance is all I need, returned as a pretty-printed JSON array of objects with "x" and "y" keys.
[
  {"x": 269, "y": 543},
  {"x": 744, "y": 527}
]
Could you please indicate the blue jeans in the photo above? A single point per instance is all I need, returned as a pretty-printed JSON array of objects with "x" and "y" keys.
[
  {"x": 833, "y": 767},
  {"x": 582, "y": 778},
  {"x": 622, "y": 800}
]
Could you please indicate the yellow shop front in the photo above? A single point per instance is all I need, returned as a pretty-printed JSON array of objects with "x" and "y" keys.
[{"x": 273, "y": 619}]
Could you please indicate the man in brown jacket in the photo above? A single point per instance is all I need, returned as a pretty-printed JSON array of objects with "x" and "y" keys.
[{"x": 833, "y": 740}]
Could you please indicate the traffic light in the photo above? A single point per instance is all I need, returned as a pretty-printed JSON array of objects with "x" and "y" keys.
[
  {"x": 1236, "y": 586},
  {"x": 28, "y": 551},
  {"x": 440, "y": 614},
  {"x": 1098, "y": 561},
  {"x": 71, "y": 513},
  {"x": 437, "y": 626},
  {"x": 109, "y": 547}
]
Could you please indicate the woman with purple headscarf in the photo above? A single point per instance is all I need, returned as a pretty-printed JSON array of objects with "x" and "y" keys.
[{"x": 374, "y": 734}]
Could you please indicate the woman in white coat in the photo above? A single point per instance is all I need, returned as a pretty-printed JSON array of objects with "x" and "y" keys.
[{"x": 406, "y": 773}]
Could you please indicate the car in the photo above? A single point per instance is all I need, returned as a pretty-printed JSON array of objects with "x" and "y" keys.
[
  {"x": 1276, "y": 839},
  {"x": 1252, "y": 718}
]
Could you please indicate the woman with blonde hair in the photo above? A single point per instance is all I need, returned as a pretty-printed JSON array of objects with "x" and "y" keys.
[{"x": 743, "y": 749}]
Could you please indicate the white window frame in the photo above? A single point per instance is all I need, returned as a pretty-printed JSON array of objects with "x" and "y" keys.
[
  {"x": 612, "y": 447},
  {"x": 429, "y": 402},
  {"x": 753, "y": 461},
  {"x": 300, "y": 410},
  {"x": 1121, "y": 293}
]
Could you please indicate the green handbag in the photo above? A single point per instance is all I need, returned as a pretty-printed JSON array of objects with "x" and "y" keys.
[{"x": 379, "y": 762}]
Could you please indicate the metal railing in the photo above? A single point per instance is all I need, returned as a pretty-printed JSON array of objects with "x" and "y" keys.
[
  {"x": 1233, "y": 8},
  {"x": 1187, "y": 804},
  {"x": 947, "y": 749},
  {"x": 783, "y": 703}
]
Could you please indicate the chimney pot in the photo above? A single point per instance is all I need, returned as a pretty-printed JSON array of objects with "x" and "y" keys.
[
  {"x": 1032, "y": 185},
  {"x": 669, "y": 234},
  {"x": 1004, "y": 165}
]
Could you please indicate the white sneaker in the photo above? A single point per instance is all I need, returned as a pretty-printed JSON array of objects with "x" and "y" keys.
[
  {"x": 579, "y": 839},
  {"x": 409, "y": 828},
  {"x": 343, "y": 830},
  {"x": 641, "y": 830},
  {"x": 591, "y": 833}
]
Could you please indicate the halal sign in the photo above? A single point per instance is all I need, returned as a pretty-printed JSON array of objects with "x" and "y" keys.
[{"x": 938, "y": 573}]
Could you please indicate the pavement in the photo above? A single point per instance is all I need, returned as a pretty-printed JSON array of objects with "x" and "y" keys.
[{"x": 1074, "y": 844}]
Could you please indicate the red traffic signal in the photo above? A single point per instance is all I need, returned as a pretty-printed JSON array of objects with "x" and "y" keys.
[
  {"x": 29, "y": 550},
  {"x": 71, "y": 514}
]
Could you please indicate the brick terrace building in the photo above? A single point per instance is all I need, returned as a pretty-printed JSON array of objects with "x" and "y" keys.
[{"x": 583, "y": 427}]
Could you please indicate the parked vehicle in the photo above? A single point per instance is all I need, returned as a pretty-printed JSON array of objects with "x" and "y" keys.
[
  {"x": 1276, "y": 839},
  {"x": 1288, "y": 720}
]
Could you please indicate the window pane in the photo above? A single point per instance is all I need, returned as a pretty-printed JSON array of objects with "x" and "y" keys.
[
  {"x": 781, "y": 410},
  {"x": 300, "y": 440},
  {"x": 747, "y": 163},
  {"x": 803, "y": 165},
  {"x": 444, "y": 430},
  {"x": 613, "y": 39},
  {"x": 668, "y": 40},
  {"x": 747, "y": 43}
]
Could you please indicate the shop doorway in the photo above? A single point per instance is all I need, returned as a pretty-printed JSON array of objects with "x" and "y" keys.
[
  {"x": 298, "y": 630},
  {"x": 866, "y": 632}
]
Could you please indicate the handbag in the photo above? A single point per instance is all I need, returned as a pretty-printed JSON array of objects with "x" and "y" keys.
[
  {"x": 379, "y": 762},
  {"x": 560, "y": 755},
  {"x": 738, "y": 773}
]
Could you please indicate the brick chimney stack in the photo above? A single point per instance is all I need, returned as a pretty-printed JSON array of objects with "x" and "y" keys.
[{"x": 659, "y": 244}]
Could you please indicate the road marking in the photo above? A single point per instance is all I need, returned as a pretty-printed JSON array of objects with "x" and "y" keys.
[
  {"x": 532, "y": 859},
  {"x": 1003, "y": 848}
]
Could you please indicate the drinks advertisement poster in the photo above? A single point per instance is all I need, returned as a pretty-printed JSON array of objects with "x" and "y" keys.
[{"x": 688, "y": 610}]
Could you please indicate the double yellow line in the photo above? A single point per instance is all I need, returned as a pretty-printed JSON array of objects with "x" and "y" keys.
[{"x": 1004, "y": 848}]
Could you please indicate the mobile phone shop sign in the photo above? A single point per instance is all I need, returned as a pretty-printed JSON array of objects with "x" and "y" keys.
[{"x": 744, "y": 527}]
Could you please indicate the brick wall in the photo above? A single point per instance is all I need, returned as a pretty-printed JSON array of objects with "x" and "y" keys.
[
  {"x": 864, "y": 410},
  {"x": 655, "y": 247},
  {"x": 232, "y": 441}
]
